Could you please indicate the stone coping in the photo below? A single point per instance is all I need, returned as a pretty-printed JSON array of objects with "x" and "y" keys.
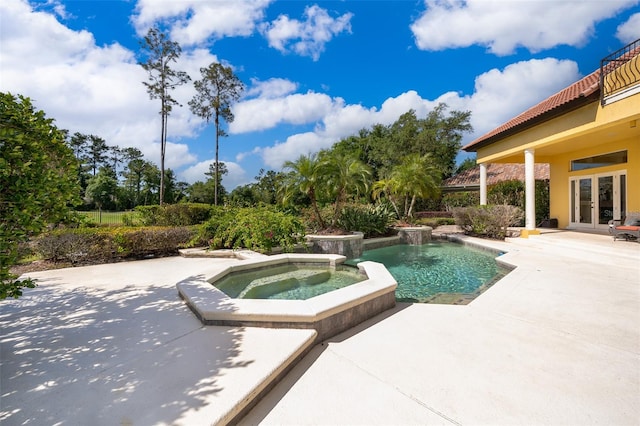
[
  {"x": 330, "y": 237},
  {"x": 214, "y": 307}
]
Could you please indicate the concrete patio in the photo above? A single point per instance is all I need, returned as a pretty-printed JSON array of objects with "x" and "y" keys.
[{"x": 555, "y": 342}]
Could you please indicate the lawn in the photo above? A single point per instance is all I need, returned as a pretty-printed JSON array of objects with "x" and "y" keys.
[{"x": 104, "y": 217}]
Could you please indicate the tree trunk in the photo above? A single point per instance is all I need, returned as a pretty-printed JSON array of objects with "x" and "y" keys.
[
  {"x": 215, "y": 183},
  {"x": 163, "y": 142},
  {"x": 413, "y": 202},
  {"x": 312, "y": 196}
]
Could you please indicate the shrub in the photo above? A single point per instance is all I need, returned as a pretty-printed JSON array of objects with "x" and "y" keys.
[
  {"x": 489, "y": 221},
  {"x": 510, "y": 192},
  {"x": 513, "y": 193},
  {"x": 434, "y": 222},
  {"x": 371, "y": 220},
  {"x": 259, "y": 229},
  {"x": 104, "y": 245},
  {"x": 311, "y": 221},
  {"x": 183, "y": 214},
  {"x": 433, "y": 215},
  {"x": 452, "y": 200},
  {"x": 83, "y": 245}
]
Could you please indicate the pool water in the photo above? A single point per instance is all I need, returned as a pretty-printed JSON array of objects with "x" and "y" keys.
[
  {"x": 289, "y": 281},
  {"x": 437, "y": 272}
]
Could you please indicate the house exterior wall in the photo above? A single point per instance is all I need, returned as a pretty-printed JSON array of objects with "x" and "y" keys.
[
  {"x": 560, "y": 173},
  {"x": 587, "y": 131}
]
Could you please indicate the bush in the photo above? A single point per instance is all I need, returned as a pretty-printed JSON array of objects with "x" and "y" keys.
[
  {"x": 452, "y": 200},
  {"x": 183, "y": 214},
  {"x": 259, "y": 229},
  {"x": 513, "y": 193},
  {"x": 510, "y": 192},
  {"x": 105, "y": 245},
  {"x": 433, "y": 215},
  {"x": 311, "y": 220},
  {"x": 434, "y": 222},
  {"x": 372, "y": 221},
  {"x": 489, "y": 221}
]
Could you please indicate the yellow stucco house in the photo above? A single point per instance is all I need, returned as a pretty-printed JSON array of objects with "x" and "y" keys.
[{"x": 589, "y": 134}]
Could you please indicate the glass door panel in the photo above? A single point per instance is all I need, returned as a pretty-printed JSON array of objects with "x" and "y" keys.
[
  {"x": 605, "y": 199},
  {"x": 596, "y": 199},
  {"x": 586, "y": 201}
]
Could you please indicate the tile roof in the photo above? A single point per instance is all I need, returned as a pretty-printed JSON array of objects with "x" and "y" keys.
[
  {"x": 587, "y": 89},
  {"x": 496, "y": 172},
  {"x": 583, "y": 91}
]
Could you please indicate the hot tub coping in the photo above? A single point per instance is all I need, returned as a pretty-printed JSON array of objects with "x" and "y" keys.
[{"x": 214, "y": 307}]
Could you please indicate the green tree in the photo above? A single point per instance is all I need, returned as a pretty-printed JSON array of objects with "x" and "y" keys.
[
  {"x": 263, "y": 191},
  {"x": 243, "y": 196},
  {"x": 38, "y": 179},
  {"x": 116, "y": 155},
  {"x": 441, "y": 136},
  {"x": 216, "y": 173},
  {"x": 160, "y": 53},
  {"x": 218, "y": 89},
  {"x": 200, "y": 192},
  {"x": 266, "y": 186},
  {"x": 417, "y": 176},
  {"x": 172, "y": 188},
  {"x": 102, "y": 188},
  {"x": 133, "y": 175},
  {"x": 79, "y": 143},
  {"x": 467, "y": 164},
  {"x": 302, "y": 177},
  {"x": 204, "y": 192},
  {"x": 383, "y": 147},
  {"x": 96, "y": 154},
  {"x": 342, "y": 175},
  {"x": 151, "y": 179}
]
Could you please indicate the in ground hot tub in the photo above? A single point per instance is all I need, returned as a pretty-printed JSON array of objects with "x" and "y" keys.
[{"x": 328, "y": 313}]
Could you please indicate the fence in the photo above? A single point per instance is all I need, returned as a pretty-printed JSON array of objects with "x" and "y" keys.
[{"x": 104, "y": 217}]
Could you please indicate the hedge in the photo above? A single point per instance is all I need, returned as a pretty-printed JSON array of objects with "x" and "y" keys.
[{"x": 105, "y": 245}]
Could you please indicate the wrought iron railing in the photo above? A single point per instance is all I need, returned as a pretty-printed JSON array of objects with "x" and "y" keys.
[{"x": 620, "y": 71}]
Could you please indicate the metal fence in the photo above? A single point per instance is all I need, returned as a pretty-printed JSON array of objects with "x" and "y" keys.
[{"x": 104, "y": 217}]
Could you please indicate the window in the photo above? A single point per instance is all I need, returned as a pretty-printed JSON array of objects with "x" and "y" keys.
[{"x": 603, "y": 160}]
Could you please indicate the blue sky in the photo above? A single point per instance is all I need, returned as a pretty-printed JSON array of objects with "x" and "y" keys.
[{"x": 315, "y": 72}]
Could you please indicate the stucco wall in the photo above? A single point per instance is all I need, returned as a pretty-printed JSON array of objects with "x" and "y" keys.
[
  {"x": 560, "y": 173},
  {"x": 588, "y": 131}
]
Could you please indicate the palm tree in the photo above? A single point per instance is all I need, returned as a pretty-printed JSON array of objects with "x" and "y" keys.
[
  {"x": 416, "y": 176},
  {"x": 302, "y": 177},
  {"x": 343, "y": 175}
]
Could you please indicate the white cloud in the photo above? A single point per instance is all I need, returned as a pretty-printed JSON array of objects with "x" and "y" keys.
[
  {"x": 87, "y": 88},
  {"x": 272, "y": 88},
  {"x": 196, "y": 21},
  {"x": 499, "y": 95},
  {"x": 308, "y": 37},
  {"x": 503, "y": 26},
  {"x": 236, "y": 176},
  {"x": 264, "y": 113},
  {"x": 296, "y": 145},
  {"x": 630, "y": 30}
]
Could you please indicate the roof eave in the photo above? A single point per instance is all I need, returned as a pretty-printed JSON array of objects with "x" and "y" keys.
[{"x": 579, "y": 102}]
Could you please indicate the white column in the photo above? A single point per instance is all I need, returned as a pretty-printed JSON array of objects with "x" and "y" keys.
[
  {"x": 529, "y": 189},
  {"x": 483, "y": 184}
]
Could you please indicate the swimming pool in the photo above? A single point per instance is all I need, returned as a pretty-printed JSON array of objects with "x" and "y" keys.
[{"x": 437, "y": 272}]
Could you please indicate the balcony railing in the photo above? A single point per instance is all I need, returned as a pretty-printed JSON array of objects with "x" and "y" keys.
[{"x": 620, "y": 73}]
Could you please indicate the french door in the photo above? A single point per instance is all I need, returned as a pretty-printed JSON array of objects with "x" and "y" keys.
[{"x": 596, "y": 199}]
